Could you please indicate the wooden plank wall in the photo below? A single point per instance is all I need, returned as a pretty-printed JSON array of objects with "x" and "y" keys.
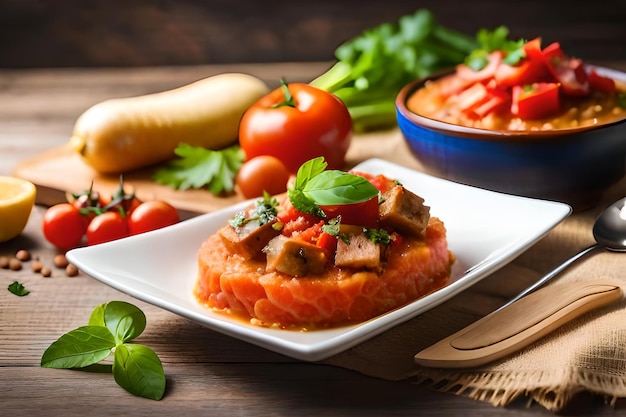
[{"x": 57, "y": 33}]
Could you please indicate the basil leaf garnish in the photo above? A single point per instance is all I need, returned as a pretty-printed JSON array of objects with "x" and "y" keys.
[
  {"x": 316, "y": 187},
  {"x": 78, "y": 348},
  {"x": 138, "y": 370}
]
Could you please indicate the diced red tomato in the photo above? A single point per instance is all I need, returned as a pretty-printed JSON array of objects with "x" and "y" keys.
[
  {"x": 363, "y": 214},
  {"x": 535, "y": 101},
  {"x": 381, "y": 182},
  {"x": 290, "y": 214},
  {"x": 311, "y": 234},
  {"x": 466, "y": 73},
  {"x": 601, "y": 83},
  {"x": 569, "y": 72},
  {"x": 328, "y": 243}
]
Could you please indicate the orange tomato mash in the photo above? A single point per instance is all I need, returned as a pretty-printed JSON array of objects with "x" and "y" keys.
[{"x": 335, "y": 297}]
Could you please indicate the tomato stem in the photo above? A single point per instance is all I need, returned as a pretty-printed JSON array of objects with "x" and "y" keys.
[{"x": 288, "y": 97}]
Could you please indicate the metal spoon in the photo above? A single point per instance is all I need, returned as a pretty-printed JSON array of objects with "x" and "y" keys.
[{"x": 609, "y": 231}]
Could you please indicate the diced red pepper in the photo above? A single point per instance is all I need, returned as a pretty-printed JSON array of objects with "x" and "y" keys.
[
  {"x": 535, "y": 101},
  {"x": 601, "y": 83},
  {"x": 471, "y": 97},
  {"x": 466, "y": 73},
  {"x": 496, "y": 101},
  {"x": 530, "y": 69},
  {"x": 570, "y": 72}
]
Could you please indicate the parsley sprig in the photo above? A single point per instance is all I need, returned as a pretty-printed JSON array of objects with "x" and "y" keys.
[
  {"x": 315, "y": 187},
  {"x": 199, "y": 167},
  {"x": 136, "y": 368},
  {"x": 18, "y": 289}
]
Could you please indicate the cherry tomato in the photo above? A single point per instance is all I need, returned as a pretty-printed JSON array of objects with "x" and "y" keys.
[
  {"x": 152, "y": 215},
  {"x": 106, "y": 227},
  {"x": 64, "y": 226},
  {"x": 89, "y": 203},
  {"x": 296, "y": 123},
  {"x": 262, "y": 173}
]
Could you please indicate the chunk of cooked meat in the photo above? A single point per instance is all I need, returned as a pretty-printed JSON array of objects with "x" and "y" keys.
[
  {"x": 248, "y": 240},
  {"x": 294, "y": 257},
  {"x": 404, "y": 211},
  {"x": 357, "y": 252}
]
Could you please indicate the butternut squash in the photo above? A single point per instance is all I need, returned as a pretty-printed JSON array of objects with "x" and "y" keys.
[{"x": 125, "y": 134}]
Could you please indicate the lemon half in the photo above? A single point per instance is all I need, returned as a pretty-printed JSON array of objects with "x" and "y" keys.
[{"x": 17, "y": 197}]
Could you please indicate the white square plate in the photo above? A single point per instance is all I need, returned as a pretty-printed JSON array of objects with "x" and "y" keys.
[{"x": 486, "y": 230}]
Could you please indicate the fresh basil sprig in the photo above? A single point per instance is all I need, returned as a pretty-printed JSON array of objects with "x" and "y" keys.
[
  {"x": 136, "y": 368},
  {"x": 315, "y": 187}
]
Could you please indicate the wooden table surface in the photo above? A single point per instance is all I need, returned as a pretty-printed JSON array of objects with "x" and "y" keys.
[{"x": 207, "y": 373}]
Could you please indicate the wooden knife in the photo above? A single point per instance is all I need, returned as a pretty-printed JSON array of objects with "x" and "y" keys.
[{"x": 515, "y": 326}]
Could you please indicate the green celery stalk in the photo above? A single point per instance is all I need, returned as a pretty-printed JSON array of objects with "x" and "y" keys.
[{"x": 371, "y": 68}]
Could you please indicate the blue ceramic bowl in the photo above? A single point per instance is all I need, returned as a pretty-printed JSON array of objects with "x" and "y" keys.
[{"x": 568, "y": 165}]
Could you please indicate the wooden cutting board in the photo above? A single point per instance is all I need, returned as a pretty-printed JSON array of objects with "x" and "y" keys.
[{"x": 61, "y": 170}]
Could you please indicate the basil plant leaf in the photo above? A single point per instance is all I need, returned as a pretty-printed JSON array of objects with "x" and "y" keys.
[
  {"x": 308, "y": 170},
  {"x": 138, "y": 370},
  {"x": 78, "y": 348},
  {"x": 337, "y": 187},
  {"x": 124, "y": 320},
  {"x": 97, "y": 316}
]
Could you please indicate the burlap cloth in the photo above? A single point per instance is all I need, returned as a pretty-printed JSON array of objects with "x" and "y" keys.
[{"x": 587, "y": 354}]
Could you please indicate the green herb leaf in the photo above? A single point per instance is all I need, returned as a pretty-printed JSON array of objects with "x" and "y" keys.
[
  {"x": 200, "y": 167},
  {"x": 495, "y": 40},
  {"x": 80, "y": 347},
  {"x": 303, "y": 203},
  {"x": 337, "y": 188},
  {"x": 372, "y": 67},
  {"x": 380, "y": 236},
  {"x": 138, "y": 370},
  {"x": 308, "y": 170},
  {"x": 18, "y": 289},
  {"x": 124, "y": 320},
  {"x": 315, "y": 187},
  {"x": 333, "y": 226}
]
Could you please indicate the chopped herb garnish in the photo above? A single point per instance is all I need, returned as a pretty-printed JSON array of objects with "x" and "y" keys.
[
  {"x": 495, "y": 40},
  {"x": 315, "y": 187},
  {"x": 378, "y": 236},
  {"x": 264, "y": 212},
  {"x": 18, "y": 289},
  {"x": 333, "y": 226}
]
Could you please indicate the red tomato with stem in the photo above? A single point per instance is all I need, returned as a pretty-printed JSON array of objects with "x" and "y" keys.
[
  {"x": 152, "y": 215},
  {"x": 295, "y": 123},
  {"x": 106, "y": 227},
  {"x": 262, "y": 173},
  {"x": 64, "y": 226}
]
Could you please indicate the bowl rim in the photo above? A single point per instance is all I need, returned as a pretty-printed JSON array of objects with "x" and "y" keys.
[{"x": 489, "y": 134}]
